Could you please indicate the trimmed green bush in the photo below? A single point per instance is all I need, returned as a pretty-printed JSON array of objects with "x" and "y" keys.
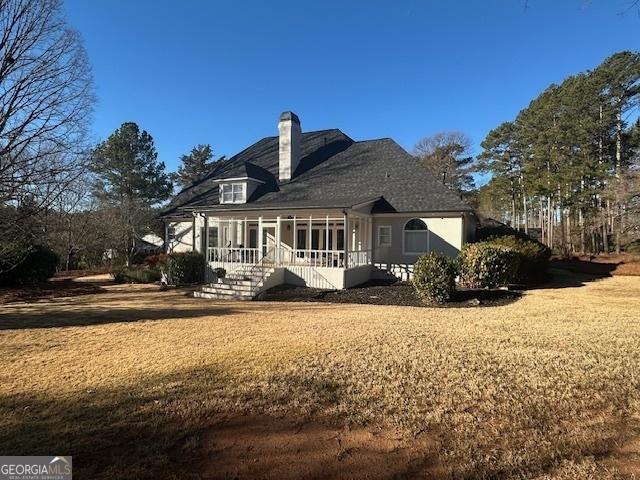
[
  {"x": 136, "y": 275},
  {"x": 485, "y": 265},
  {"x": 39, "y": 264},
  {"x": 185, "y": 268},
  {"x": 533, "y": 255},
  {"x": 434, "y": 276},
  {"x": 493, "y": 231}
]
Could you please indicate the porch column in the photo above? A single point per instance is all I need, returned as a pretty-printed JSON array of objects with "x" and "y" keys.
[
  {"x": 259, "y": 237},
  {"x": 345, "y": 240},
  {"x": 295, "y": 234},
  {"x": 245, "y": 234},
  {"x": 326, "y": 233},
  {"x": 204, "y": 242},
  {"x": 278, "y": 241},
  {"x": 308, "y": 247}
]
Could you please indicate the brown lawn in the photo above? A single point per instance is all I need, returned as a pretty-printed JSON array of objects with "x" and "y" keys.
[{"x": 138, "y": 383}]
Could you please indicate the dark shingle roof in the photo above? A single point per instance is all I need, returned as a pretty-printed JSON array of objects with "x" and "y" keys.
[{"x": 334, "y": 171}]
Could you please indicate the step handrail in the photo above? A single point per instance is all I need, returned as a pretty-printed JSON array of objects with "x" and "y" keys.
[{"x": 260, "y": 264}]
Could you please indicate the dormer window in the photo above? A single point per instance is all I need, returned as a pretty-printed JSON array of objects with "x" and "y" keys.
[{"x": 233, "y": 192}]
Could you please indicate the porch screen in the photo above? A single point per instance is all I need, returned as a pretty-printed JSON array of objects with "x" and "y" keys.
[
  {"x": 301, "y": 241},
  {"x": 213, "y": 237}
]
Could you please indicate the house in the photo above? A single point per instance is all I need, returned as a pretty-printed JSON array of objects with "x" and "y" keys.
[
  {"x": 317, "y": 209},
  {"x": 149, "y": 244}
]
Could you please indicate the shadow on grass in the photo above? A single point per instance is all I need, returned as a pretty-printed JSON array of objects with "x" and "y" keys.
[
  {"x": 49, "y": 290},
  {"x": 195, "y": 423},
  {"x": 128, "y": 432},
  {"x": 78, "y": 316},
  {"x": 563, "y": 274}
]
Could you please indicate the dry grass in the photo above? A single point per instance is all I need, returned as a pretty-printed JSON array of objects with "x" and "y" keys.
[{"x": 546, "y": 387}]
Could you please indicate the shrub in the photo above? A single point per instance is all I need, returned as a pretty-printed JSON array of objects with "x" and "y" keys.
[
  {"x": 434, "y": 276},
  {"x": 220, "y": 272},
  {"x": 493, "y": 231},
  {"x": 533, "y": 257},
  {"x": 157, "y": 261},
  {"x": 39, "y": 264},
  {"x": 185, "y": 268},
  {"x": 136, "y": 275},
  {"x": 485, "y": 265}
]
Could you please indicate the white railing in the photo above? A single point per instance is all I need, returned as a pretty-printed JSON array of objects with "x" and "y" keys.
[
  {"x": 233, "y": 255},
  {"x": 284, "y": 256},
  {"x": 314, "y": 258},
  {"x": 358, "y": 258}
]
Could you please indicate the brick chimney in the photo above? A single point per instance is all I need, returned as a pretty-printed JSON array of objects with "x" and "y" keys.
[{"x": 290, "y": 137}]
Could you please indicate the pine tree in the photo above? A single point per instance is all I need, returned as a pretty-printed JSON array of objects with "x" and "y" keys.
[
  {"x": 130, "y": 180},
  {"x": 195, "y": 165},
  {"x": 565, "y": 161}
]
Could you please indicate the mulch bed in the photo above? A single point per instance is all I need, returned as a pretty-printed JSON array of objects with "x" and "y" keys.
[{"x": 387, "y": 293}]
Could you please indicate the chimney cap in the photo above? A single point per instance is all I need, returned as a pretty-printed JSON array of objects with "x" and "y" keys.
[{"x": 285, "y": 116}]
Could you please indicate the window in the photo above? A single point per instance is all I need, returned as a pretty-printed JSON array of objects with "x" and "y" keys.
[
  {"x": 232, "y": 193},
  {"x": 416, "y": 237},
  {"x": 171, "y": 232},
  {"x": 384, "y": 236}
]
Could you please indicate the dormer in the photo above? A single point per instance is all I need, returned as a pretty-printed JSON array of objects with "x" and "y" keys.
[
  {"x": 237, "y": 190},
  {"x": 242, "y": 182},
  {"x": 233, "y": 191}
]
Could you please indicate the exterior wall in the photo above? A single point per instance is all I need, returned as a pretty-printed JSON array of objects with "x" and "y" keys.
[
  {"x": 183, "y": 240},
  {"x": 446, "y": 235},
  {"x": 275, "y": 279},
  {"x": 199, "y": 222},
  {"x": 357, "y": 276}
]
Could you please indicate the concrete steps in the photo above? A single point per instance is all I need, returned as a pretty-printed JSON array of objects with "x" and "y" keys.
[{"x": 242, "y": 284}]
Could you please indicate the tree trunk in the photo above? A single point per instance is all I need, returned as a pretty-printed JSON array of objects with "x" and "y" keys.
[{"x": 525, "y": 214}]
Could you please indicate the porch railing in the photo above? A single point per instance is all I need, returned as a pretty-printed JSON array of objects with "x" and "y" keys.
[
  {"x": 358, "y": 258},
  {"x": 290, "y": 257},
  {"x": 233, "y": 255}
]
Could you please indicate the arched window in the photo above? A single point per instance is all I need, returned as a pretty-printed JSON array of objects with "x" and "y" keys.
[{"x": 415, "y": 237}]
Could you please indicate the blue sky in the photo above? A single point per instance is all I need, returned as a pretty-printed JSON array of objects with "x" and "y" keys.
[{"x": 194, "y": 72}]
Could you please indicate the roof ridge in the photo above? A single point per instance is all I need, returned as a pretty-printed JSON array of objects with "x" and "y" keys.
[{"x": 375, "y": 140}]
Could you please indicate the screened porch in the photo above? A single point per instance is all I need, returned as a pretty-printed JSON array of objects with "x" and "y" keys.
[{"x": 316, "y": 240}]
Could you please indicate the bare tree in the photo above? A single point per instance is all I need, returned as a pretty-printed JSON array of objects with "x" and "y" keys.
[
  {"x": 448, "y": 156},
  {"x": 46, "y": 100}
]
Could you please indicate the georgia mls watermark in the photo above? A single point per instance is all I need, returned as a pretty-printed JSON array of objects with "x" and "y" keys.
[{"x": 35, "y": 468}]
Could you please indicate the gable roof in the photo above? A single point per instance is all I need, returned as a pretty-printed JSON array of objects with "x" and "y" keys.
[{"x": 334, "y": 171}]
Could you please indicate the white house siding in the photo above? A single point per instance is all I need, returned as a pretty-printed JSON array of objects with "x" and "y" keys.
[
  {"x": 446, "y": 235},
  {"x": 183, "y": 239},
  {"x": 199, "y": 234}
]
